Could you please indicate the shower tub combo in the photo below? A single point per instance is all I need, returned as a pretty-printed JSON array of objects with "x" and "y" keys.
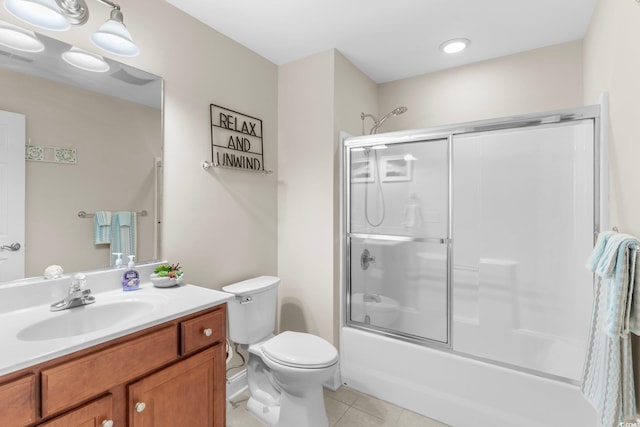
[{"x": 464, "y": 289}]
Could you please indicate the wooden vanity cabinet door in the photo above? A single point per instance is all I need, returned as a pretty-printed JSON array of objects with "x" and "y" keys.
[
  {"x": 93, "y": 414},
  {"x": 182, "y": 394},
  {"x": 18, "y": 399}
]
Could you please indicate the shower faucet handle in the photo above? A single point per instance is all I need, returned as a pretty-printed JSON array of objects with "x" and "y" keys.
[{"x": 366, "y": 259}]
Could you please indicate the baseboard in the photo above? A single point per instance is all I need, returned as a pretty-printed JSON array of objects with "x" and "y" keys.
[
  {"x": 335, "y": 381},
  {"x": 237, "y": 384}
]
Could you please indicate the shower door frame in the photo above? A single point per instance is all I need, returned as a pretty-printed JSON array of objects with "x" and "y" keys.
[{"x": 440, "y": 133}]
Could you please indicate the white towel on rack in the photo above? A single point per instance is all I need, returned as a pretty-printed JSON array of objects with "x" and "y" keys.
[{"x": 608, "y": 372}]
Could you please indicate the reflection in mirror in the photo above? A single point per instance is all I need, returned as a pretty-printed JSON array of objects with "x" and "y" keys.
[{"x": 112, "y": 122}]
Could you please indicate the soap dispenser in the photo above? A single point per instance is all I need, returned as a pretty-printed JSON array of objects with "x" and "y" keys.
[
  {"x": 131, "y": 277},
  {"x": 118, "y": 261}
]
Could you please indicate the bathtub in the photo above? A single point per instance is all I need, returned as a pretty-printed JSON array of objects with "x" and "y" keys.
[{"x": 455, "y": 389}]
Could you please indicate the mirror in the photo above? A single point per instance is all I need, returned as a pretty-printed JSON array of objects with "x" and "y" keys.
[{"x": 111, "y": 122}]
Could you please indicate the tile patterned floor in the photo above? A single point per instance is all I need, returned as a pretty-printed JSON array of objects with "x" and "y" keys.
[{"x": 345, "y": 408}]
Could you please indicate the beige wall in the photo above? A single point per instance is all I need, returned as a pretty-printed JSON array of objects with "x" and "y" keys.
[
  {"x": 538, "y": 80},
  {"x": 221, "y": 225},
  {"x": 612, "y": 64},
  {"x": 319, "y": 96},
  {"x": 116, "y": 143},
  {"x": 305, "y": 194}
]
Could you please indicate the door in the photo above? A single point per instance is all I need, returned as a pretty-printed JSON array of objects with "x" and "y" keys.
[
  {"x": 398, "y": 239},
  {"x": 180, "y": 395},
  {"x": 522, "y": 229},
  {"x": 12, "y": 195}
]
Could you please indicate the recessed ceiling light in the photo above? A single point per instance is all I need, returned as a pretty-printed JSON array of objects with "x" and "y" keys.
[
  {"x": 455, "y": 45},
  {"x": 85, "y": 60}
]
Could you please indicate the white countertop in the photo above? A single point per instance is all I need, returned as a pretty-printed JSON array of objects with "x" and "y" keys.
[{"x": 168, "y": 303}]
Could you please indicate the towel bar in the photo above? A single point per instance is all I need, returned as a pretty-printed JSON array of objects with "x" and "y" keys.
[
  {"x": 615, "y": 229},
  {"x": 83, "y": 214}
]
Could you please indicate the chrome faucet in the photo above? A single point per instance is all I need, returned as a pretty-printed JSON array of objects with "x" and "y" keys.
[{"x": 77, "y": 296}]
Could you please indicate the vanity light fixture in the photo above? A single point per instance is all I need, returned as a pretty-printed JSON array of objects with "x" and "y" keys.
[
  {"x": 58, "y": 15},
  {"x": 455, "y": 45},
  {"x": 114, "y": 37},
  {"x": 19, "y": 38},
  {"x": 85, "y": 60},
  {"x": 39, "y": 13}
]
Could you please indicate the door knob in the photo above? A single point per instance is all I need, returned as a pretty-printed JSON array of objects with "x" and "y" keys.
[
  {"x": 12, "y": 247},
  {"x": 140, "y": 406},
  {"x": 207, "y": 332},
  {"x": 107, "y": 423}
]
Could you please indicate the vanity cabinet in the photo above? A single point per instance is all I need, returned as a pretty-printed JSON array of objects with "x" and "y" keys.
[
  {"x": 18, "y": 400},
  {"x": 169, "y": 375},
  {"x": 178, "y": 395},
  {"x": 98, "y": 413}
]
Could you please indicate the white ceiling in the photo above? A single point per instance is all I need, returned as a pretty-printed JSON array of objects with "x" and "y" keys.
[{"x": 394, "y": 39}]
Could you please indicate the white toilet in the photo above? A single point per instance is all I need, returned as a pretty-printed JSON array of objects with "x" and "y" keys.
[{"x": 285, "y": 372}]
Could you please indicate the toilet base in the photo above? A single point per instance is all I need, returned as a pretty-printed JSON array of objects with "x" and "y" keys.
[
  {"x": 296, "y": 411},
  {"x": 265, "y": 413}
]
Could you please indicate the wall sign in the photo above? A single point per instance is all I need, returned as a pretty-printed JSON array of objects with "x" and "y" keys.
[{"x": 236, "y": 140}]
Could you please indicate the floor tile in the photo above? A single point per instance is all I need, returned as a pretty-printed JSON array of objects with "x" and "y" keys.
[
  {"x": 343, "y": 394},
  {"x": 345, "y": 408},
  {"x": 411, "y": 419},
  {"x": 378, "y": 408},
  {"x": 356, "y": 418},
  {"x": 335, "y": 410}
]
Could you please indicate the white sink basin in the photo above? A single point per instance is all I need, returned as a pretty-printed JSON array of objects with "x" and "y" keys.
[{"x": 104, "y": 313}]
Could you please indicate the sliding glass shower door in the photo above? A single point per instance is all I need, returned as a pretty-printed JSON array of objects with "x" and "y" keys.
[
  {"x": 398, "y": 243},
  {"x": 474, "y": 237}
]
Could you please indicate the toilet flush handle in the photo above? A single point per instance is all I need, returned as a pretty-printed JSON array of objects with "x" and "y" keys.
[{"x": 245, "y": 299}]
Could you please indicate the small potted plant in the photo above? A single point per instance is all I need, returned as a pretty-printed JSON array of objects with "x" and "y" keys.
[{"x": 167, "y": 275}]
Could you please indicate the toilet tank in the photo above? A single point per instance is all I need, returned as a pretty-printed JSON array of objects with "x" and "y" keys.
[{"x": 252, "y": 313}]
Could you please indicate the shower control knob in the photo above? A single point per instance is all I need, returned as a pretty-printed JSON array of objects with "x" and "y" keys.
[
  {"x": 366, "y": 259},
  {"x": 140, "y": 406},
  {"x": 207, "y": 332}
]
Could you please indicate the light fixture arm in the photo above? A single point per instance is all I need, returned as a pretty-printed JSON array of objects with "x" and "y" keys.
[
  {"x": 76, "y": 11},
  {"x": 110, "y": 3}
]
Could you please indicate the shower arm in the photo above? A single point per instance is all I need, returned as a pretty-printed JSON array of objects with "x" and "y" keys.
[{"x": 376, "y": 122}]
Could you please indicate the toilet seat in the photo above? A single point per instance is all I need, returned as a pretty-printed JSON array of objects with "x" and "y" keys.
[{"x": 300, "y": 350}]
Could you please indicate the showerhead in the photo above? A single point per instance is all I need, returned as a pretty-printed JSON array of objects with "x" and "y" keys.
[{"x": 399, "y": 110}]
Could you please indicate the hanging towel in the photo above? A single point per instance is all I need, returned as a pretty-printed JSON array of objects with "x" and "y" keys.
[
  {"x": 607, "y": 380},
  {"x": 102, "y": 228},
  {"x": 124, "y": 235}
]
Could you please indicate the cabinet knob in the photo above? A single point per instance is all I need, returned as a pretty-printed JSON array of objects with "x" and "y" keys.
[
  {"x": 140, "y": 406},
  {"x": 107, "y": 423},
  {"x": 207, "y": 332}
]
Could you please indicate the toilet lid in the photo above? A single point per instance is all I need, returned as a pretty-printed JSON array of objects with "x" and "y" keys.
[{"x": 298, "y": 349}]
